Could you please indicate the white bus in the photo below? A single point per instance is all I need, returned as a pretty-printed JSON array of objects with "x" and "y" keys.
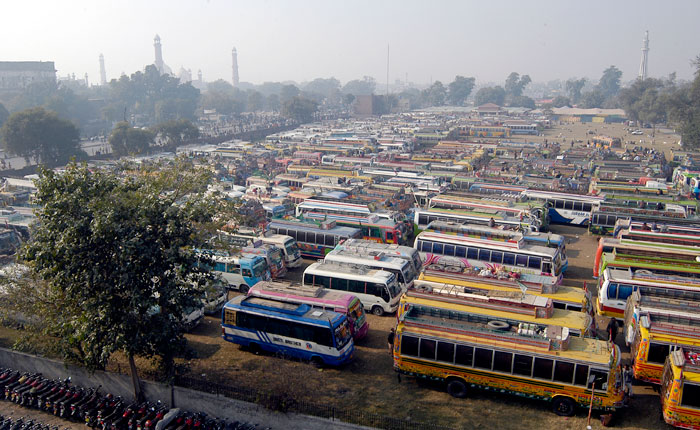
[
  {"x": 403, "y": 269},
  {"x": 566, "y": 208},
  {"x": 486, "y": 254},
  {"x": 401, "y": 251},
  {"x": 423, "y": 217},
  {"x": 288, "y": 245},
  {"x": 378, "y": 290},
  {"x": 240, "y": 272}
]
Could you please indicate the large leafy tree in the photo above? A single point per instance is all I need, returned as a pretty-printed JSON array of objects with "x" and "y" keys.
[
  {"x": 359, "y": 87},
  {"x": 128, "y": 140},
  {"x": 645, "y": 100},
  {"x": 175, "y": 132},
  {"x": 684, "y": 109},
  {"x": 436, "y": 94},
  {"x": 515, "y": 84},
  {"x": 609, "y": 83},
  {"x": 459, "y": 90},
  {"x": 299, "y": 109},
  {"x": 496, "y": 95},
  {"x": 574, "y": 87},
  {"x": 40, "y": 134},
  {"x": 117, "y": 263}
]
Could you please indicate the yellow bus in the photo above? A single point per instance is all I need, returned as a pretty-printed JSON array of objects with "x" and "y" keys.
[
  {"x": 656, "y": 333},
  {"x": 466, "y": 351},
  {"x": 533, "y": 320},
  {"x": 680, "y": 389},
  {"x": 563, "y": 296}
]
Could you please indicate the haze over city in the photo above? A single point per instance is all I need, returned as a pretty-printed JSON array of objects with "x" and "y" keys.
[{"x": 300, "y": 41}]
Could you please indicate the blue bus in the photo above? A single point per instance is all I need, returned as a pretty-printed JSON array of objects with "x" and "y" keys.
[{"x": 290, "y": 329}]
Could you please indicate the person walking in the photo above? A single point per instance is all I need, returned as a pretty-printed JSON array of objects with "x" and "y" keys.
[
  {"x": 390, "y": 340},
  {"x": 612, "y": 329},
  {"x": 627, "y": 377}
]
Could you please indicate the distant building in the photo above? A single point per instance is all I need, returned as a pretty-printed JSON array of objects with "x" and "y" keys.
[
  {"x": 17, "y": 75},
  {"x": 160, "y": 65},
  {"x": 368, "y": 105},
  {"x": 488, "y": 109},
  {"x": 595, "y": 115},
  {"x": 234, "y": 66}
]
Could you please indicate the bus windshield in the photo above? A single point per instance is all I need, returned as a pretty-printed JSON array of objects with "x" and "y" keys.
[
  {"x": 342, "y": 334},
  {"x": 407, "y": 273},
  {"x": 259, "y": 269},
  {"x": 393, "y": 286},
  {"x": 291, "y": 247}
]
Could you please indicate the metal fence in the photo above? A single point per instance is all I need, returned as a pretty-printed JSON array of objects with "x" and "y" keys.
[{"x": 285, "y": 404}]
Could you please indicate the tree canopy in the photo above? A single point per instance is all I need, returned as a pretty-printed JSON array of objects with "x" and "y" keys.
[
  {"x": 359, "y": 87},
  {"x": 515, "y": 84},
  {"x": 684, "y": 109},
  {"x": 459, "y": 90},
  {"x": 4, "y": 114},
  {"x": 128, "y": 140},
  {"x": 436, "y": 94},
  {"x": 116, "y": 257},
  {"x": 574, "y": 87},
  {"x": 299, "y": 109},
  {"x": 496, "y": 95},
  {"x": 40, "y": 134}
]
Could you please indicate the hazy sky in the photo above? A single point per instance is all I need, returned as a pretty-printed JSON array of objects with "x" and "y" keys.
[{"x": 301, "y": 40}]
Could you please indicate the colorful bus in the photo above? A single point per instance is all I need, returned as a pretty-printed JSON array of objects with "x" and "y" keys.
[
  {"x": 649, "y": 265},
  {"x": 658, "y": 232},
  {"x": 490, "y": 254},
  {"x": 489, "y": 131},
  {"x": 617, "y": 285},
  {"x": 661, "y": 252},
  {"x": 288, "y": 245},
  {"x": 314, "y": 239},
  {"x": 402, "y": 268},
  {"x": 603, "y": 219},
  {"x": 549, "y": 240},
  {"x": 525, "y": 310},
  {"x": 401, "y": 251},
  {"x": 564, "y": 208},
  {"x": 378, "y": 290},
  {"x": 563, "y": 296},
  {"x": 657, "y": 333},
  {"x": 352, "y": 213},
  {"x": 295, "y": 330},
  {"x": 525, "y": 211},
  {"x": 317, "y": 297},
  {"x": 680, "y": 389},
  {"x": 423, "y": 217},
  {"x": 272, "y": 255},
  {"x": 468, "y": 351},
  {"x": 239, "y": 272}
]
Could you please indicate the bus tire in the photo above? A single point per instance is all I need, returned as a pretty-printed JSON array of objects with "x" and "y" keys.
[
  {"x": 244, "y": 288},
  {"x": 377, "y": 310},
  {"x": 317, "y": 361},
  {"x": 564, "y": 406},
  {"x": 457, "y": 388},
  {"x": 254, "y": 348}
]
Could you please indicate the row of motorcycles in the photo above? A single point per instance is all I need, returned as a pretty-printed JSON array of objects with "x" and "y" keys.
[
  {"x": 100, "y": 411},
  {"x": 7, "y": 423}
]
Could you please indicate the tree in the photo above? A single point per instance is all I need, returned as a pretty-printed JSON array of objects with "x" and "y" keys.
[
  {"x": 684, "y": 109},
  {"x": 176, "y": 132},
  {"x": 273, "y": 102},
  {"x": 4, "y": 114},
  {"x": 645, "y": 101},
  {"x": 40, "y": 134},
  {"x": 325, "y": 87},
  {"x": 118, "y": 256},
  {"x": 522, "y": 101},
  {"x": 561, "y": 101},
  {"x": 436, "y": 94},
  {"x": 574, "y": 87},
  {"x": 459, "y": 90},
  {"x": 496, "y": 95},
  {"x": 609, "y": 83},
  {"x": 593, "y": 99},
  {"x": 515, "y": 84},
  {"x": 288, "y": 93},
  {"x": 299, "y": 109},
  {"x": 362, "y": 87},
  {"x": 255, "y": 101},
  {"x": 348, "y": 99},
  {"x": 127, "y": 140}
]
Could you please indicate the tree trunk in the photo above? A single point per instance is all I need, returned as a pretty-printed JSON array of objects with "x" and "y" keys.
[{"x": 138, "y": 395}]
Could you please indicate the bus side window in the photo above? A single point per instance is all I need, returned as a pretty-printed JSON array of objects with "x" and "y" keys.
[
  {"x": 329, "y": 239},
  {"x": 534, "y": 263},
  {"x": 612, "y": 291},
  {"x": 473, "y": 253},
  {"x": 521, "y": 260},
  {"x": 356, "y": 286},
  {"x": 339, "y": 284},
  {"x": 691, "y": 395},
  {"x": 389, "y": 236},
  {"x": 437, "y": 248},
  {"x": 409, "y": 345},
  {"x": 587, "y": 207},
  {"x": 547, "y": 267},
  {"x": 559, "y": 204},
  {"x": 449, "y": 250},
  {"x": 568, "y": 204},
  {"x": 461, "y": 251},
  {"x": 309, "y": 279},
  {"x": 509, "y": 258},
  {"x": 624, "y": 291}
]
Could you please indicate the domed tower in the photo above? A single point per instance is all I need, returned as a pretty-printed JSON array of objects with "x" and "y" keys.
[{"x": 159, "y": 54}]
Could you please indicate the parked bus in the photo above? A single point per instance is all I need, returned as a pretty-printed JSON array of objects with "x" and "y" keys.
[
  {"x": 657, "y": 333},
  {"x": 566, "y": 208},
  {"x": 378, "y": 290},
  {"x": 288, "y": 245},
  {"x": 650, "y": 265},
  {"x": 617, "y": 285},
  {"x": 273, "y": 211},
  {"x": 490, "y": 254},
  {"x": 294, "y": 330},
  {"x": 466, "y": 351},
  {"x": 531, "y": 312},
  {"x": 239, "y": 272},
  {"x": 603, "y": 219},
  {"x": 549, "y": 240},
  {"x": 401, "y": 251},
  {"x": 272, "y": 255},
  {"x": 355, "y": 214},
  {"x": 423, "y": 217},
  {"x": 315, "y": 239},
  {"x": 563, "y": 296},
  {"x": 661, "y": 252},
  {"x": 317, "y": 297},
  {"x": 658, "y": 232},
  {"x": 680, "y": 389},
  {"x": 525, "y": 211},
  {"x": 403, "y": 269}
]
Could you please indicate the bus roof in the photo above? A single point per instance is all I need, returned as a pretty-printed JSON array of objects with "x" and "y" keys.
[
  {"x": 371, "y": 258},
  {"x": 315, "y": 228},
  {"x": 302, "y": 312},
  {"x": 561, "y": 318},
  {"x": 505, "y": 246},
  {"x": 654, "y": 280},
  {"x": 349, "y": 271},
  {"x": 370, "y": 244},
  {"x": 638, "y": 262},
  {"x": 297, "y": 292}
]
